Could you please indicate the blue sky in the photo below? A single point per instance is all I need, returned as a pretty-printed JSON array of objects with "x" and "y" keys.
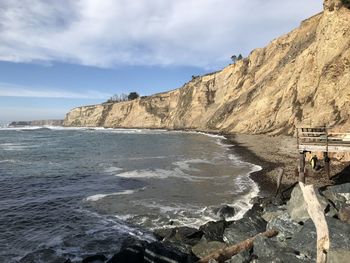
[{"x": 56, "y": 55}]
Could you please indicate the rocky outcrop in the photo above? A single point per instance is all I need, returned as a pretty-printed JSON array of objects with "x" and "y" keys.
[
  {"x": 295, "y": 242},
  {"x": 36, "y": 123},
  {"x": 300, "y": 78}
]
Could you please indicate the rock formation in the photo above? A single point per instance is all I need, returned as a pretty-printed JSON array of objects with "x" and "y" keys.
[
  {"x": 301, "y": 78},
  {"x": 36, "y": 123}
]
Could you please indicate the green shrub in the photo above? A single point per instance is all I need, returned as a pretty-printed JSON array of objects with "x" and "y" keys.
[{"x": 346, "y": 3}]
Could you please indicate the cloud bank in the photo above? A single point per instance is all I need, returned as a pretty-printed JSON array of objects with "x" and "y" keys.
[
  {"x": 10, "y": 90},
  {"x": 112, "y": 33}
]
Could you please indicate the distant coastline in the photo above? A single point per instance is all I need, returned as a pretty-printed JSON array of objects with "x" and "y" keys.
[{"x": 36, "y": 123}]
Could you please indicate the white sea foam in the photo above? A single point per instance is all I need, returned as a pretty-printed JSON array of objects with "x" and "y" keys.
[
  {"x": 212, "y": 135},
  {"x": 15, "y": 146},
  {"x": 148, "y": 157},
  {"x": 8, "y": 161},
  {"x": 185, "y": 164},
  {"x": 112, "y": 169},
  {"x": 162, "y": 174},
  {"x": 113, "y": 223},
  {"x": 97, "y": 197},
  {"x": 244, "y": 182},
  {"x": 157, "y": 173}
]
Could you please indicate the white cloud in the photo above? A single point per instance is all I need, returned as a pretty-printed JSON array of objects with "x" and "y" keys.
[
  {"x": 9, "y": 90},
  {"x": 143, "y": 32}
]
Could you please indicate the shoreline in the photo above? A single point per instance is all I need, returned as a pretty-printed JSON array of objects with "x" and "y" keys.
[{"x": 265, "y": 184}]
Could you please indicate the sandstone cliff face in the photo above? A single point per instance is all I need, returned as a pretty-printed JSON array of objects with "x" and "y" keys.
[{"x": 301, "y": 78}]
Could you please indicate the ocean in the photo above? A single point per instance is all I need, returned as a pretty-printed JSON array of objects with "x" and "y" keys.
[{"x": 82, "y": 191}]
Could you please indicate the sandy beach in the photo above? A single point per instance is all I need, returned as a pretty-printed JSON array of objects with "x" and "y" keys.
[{"x": 276, "y": 152}]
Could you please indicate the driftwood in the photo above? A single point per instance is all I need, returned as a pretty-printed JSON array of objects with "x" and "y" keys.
[
  {"x": 223, "y": 254},
  {"x": 316, "y": 213}
]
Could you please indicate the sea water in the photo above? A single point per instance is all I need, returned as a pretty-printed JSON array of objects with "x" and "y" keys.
[{"x": 80, "y": 191}]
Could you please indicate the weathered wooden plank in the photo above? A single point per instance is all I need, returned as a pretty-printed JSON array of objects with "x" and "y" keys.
[
  {"x": 317, "y": 215},
  {"x": 323, "y": 148}
]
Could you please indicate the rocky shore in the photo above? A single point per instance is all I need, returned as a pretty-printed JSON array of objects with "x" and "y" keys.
[{"x": 295, "y": 239}]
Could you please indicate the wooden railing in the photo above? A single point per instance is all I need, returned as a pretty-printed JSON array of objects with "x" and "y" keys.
[{"x": 322, "y": 139}]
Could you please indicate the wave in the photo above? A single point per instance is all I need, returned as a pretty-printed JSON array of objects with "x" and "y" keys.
[
  {"x": 15, "y": 146},
  {"x": 156, "y": 173},
  {"x": 163, "y": 174},
  {"x": 185, "y": 165},
  {"x": 10, "y": 161},
  {"x": 245, "y": 182},
  {"x": 112, "y": 169},
  {"x": 94, "y": 198}
]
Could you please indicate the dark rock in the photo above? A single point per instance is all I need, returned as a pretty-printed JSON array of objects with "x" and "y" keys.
[
  {"x": 247, "y": 227},
  {"x": 204, "y": 248},
  {"x": 304, "y": 241},
  {"x": 162, "y": 233},
  {"x": 338, "y": 195},
  {"x": 256, "y": 210},
  {"x": 243, "y": 257},
  {"x": 270, "y": 251},
  {"x": 344, "y": 214},
  {"x": 132, "y": 251},
  {"x": 269, "y": 215},
  {"x": 159, "y": 253},
  {"x": 213, "y": 231},
  {"x": 132, "y": 254},
  {"x": 285, "y": 225},
  {"x": 138, "y": 252},
  {"x": 225, "y": 211},
  {"x": 99, "y": 258},
  {"x": 44, "y": 255},
  {"x": 186, "y": 235},
  {"x": 183, "y": 238}
]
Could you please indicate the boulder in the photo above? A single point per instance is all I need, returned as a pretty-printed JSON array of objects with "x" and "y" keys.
[
  {"x": 244, "y": 228},
  {"x": 338, "y": 256},
  {"x": 242, "y": 257},
  {"x": 270, "y": 251},
  {"x": 181, "y": 237},
  {"x": 225, "y": 212},
  {"x": 204, "y": 248},
  {"x": 213, "y": 231},
  {"x": 338, "y": 195},
  {"x": 162, "y": 233},
  {"x": 132, "y": 251},
  {"x": 159, "y": 253},
  {"x": 304, "y": 240},
  {"x": 98, "y": 258},
  {"x": 268, "y": 216},
  {"x": 297, "y": 207},
  {"x": 285, "y": 225},
  {"x": 156, "y": 252},
  {"x": 344, "y": 214},
  {"x": 44, "y": 255}
]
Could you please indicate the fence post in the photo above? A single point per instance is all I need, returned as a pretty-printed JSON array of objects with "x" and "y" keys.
[{"x": 302, "y": 167}]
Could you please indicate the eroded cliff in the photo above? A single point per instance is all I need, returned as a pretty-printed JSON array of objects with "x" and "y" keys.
[{"x": 301, "y": 78}]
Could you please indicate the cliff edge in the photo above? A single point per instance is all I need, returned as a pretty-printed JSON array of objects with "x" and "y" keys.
[{"x": 301, "y": 78}]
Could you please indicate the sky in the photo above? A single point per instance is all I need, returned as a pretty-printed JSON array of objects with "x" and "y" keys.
[{"x": 57, "y": 55}]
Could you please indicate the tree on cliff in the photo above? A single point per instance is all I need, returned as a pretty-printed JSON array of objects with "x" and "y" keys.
[
  {"x": 346, "y": 3},
  {"x": 118, "y": 98},
  {"x": 133, "y": 95},
  {"x": 234, "y": 58}
]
